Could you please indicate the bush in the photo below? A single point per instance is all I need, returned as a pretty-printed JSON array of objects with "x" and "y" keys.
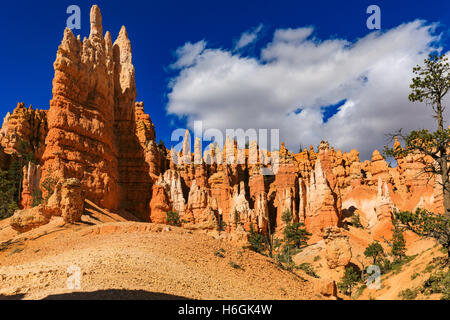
[
  {"x": 308, "y": 268},
  {"x": 220, "y": 253},
  {"x": 236, "y": 218},
  {"x": 427, "y": 224},
  {"x": 438, "y": 282},
  {"x": 356, "y": 221},
  {"x": 49, "y": 185},
  {"x": 408, "y": 294},
  {"x": 173, "y": 218},
  {"x": 37, "y": 198}
]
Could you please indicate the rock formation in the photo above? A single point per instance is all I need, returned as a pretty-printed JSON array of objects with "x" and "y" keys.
[
  {"x": 338, "y": 251},
  {"x": 30, "y": 184},
  {"x": 95, "y": 132},
  {"x": 24, "y": 131},
  {"x": 67, "y": 201},
  {"x": 92, "y": 121}
]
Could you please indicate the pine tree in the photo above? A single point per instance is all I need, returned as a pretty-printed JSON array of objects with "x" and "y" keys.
[
  {"x": 431, "y": 85},
  {"x": 427, "y": 224},
  {"x": 350, "y": 279},
  {"x": 295, "y": 235},
  {"x": 398, "y": 243},
  {"x": 374, "y": 250},
  {"x": 256, "y": 240},
  {"x": 8, "y": 202}
]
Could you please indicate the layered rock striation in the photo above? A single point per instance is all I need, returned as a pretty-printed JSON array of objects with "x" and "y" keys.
[
  {"x": 96, "y": 132},
  {"x": 92, "y": 121}
]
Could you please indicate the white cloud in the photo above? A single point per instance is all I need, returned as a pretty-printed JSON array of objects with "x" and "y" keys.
[
  {"x": 248, "y": 38},
  {"x": 187, "y": 54},
  {"x": 296, "y": 71}
]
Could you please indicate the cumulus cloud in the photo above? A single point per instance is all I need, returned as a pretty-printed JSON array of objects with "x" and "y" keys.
[
  {"x": 187, "y": 54},
  {"x": 297, "y": 75},
  {"x": 248, "y": 38}
]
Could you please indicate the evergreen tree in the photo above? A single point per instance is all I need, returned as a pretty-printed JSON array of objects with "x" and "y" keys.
[
  {"x": 427, "y": 224},
  {"x": 8, "y": 202},
  {"x": 398, "y": 249},
  {"x": 256, "y": 240},
  {"x": 295, "y": 235},
  {"x": 431, "y": 85},
  {"x": 374, "y": 251},
  {"x": 350, "y": 279}
]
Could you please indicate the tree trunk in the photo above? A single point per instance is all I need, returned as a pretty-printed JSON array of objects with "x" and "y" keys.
[
  {"x": 446, "y": 186},
  {"x": 443, "y": 164},
  {"x": 439, "y": 115}
]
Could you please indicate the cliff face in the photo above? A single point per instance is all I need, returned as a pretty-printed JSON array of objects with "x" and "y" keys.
[
  {"x": 97, "y": 133},
  {"x": 92, "y": 121},
  {"x": 81, "y": 141},
  {"x": 24, "y": 131},
  {"x": 322, "y": 189}
]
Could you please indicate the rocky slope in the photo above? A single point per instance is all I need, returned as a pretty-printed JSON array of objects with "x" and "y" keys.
[{"x": 141, "y": 261}]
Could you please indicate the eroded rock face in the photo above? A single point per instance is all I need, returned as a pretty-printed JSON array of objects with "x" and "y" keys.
[
  {"x": 92, "y": 121},
  {"x": 160, "y": 203},
  {"x": 134, "y": 180},
  {"x": 81, "y": 141},
  {"x": 30, "y": 184},
  {"x": 337, "y": 248},
  {"x": 24, "y": 131},
  {"x": 321, "y": 211},
  {"x": 327, "y": 288},
  {"x": 72, "y": 201},
  {"x": 67, "y": 201},
  {"x": 28, "y": 219}
]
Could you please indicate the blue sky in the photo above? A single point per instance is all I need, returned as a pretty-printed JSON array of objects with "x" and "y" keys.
[{"x": 33, "y": 30}]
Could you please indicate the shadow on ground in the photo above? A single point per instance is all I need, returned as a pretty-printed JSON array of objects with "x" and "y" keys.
[
  {"x": 115, "y": 294},
  {"x": 14, "y": 297},
  {"x": 111, "y": 294}
]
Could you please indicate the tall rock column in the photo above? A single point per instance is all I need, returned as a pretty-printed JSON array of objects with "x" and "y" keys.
[
  {"x": 91, "y": 121},
  {"x": 134, "y": 179},
  {"x": 80, "y": 142}
]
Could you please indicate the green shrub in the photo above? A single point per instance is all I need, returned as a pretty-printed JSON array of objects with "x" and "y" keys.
[
  {"x": 359, "y": 292},
  {"x": 219, "y": 254},
  {"x": 408, "y": 294},
  {"x": 438, "y": 282},
  {"x": 173, "y": 218},
  {"x": 309, "y": 269},
  {"x": 49, "y": 185},
  {"x": 37, "y": 198},
  {"x": 356, "y": 221}
]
